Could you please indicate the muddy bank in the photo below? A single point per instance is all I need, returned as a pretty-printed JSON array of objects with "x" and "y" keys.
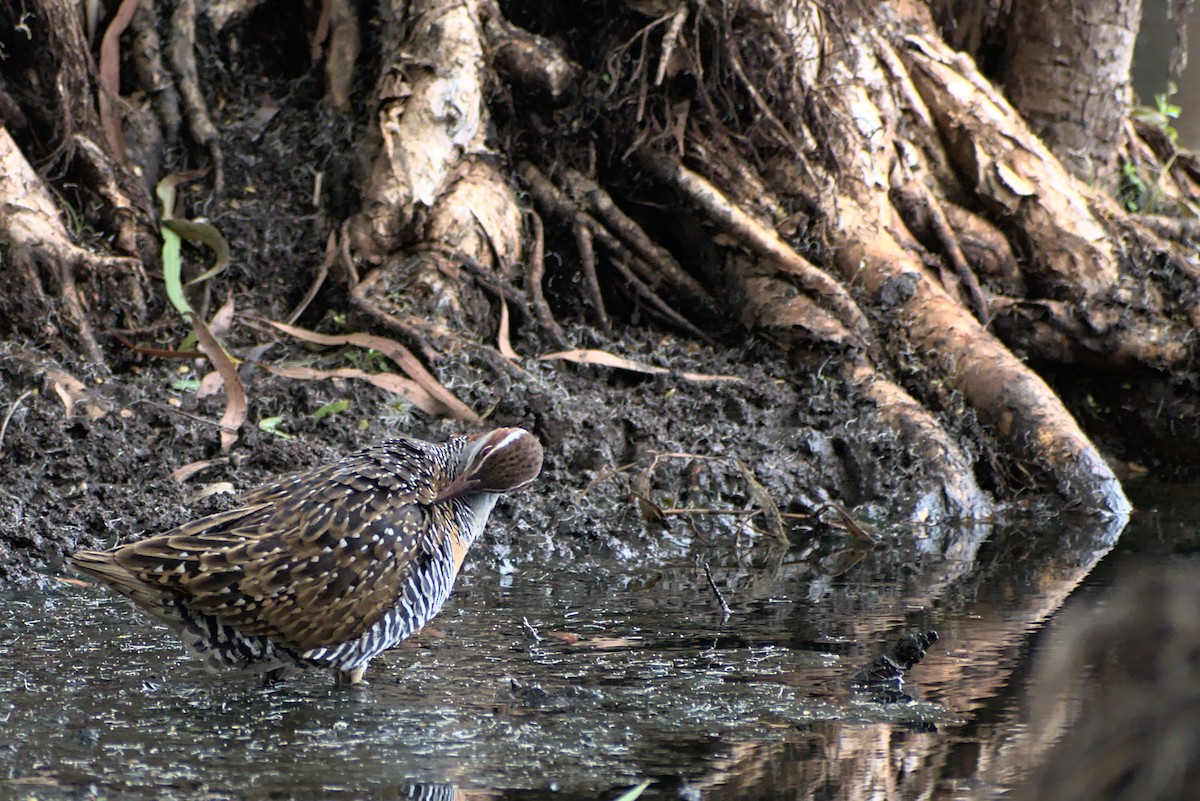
[{"x": 88, "y": 458}]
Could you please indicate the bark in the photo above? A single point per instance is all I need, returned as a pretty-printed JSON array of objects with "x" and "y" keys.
[{"x": 1067, "y": 73}]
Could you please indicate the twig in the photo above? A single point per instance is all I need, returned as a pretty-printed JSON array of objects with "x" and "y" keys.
[
  {"x": 670, "y": 39},
  {"x": 331, "y": 252},
  {"x": 11, "y": 411},
  {"x": 530, "y": 630},
  {"x": 587, "y": 259},
  {"x": 848, "y": 523},
  {"x": 725, "y": 610},
  {"x": 676, "y": 511},
  {"x": 537, "y": 266}
]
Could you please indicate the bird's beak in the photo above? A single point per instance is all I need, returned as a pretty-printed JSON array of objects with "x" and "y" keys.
[{"x": 457, "y": 487}]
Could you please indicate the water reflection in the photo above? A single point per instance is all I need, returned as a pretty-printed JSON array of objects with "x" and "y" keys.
[{"x": 583, "y": 682}]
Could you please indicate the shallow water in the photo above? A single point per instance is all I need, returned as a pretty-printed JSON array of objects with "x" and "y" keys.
[{"x": 586, "y": 682}]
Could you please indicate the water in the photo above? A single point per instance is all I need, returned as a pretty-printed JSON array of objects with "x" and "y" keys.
[{"x": 632, "y": 676}]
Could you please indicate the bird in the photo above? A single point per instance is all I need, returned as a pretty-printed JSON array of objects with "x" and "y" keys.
[{"x": 327, "y": 568}]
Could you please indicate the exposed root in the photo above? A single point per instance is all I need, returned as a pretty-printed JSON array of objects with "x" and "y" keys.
[
  {"x": 923, "y": 214},
  {"x": 588, "y": 194},
  {"x": 1070, "y": 251},
  {"x": 33, "y": 229},
  {"x": 760, "y": 240},
  {"x": 153, "y": 76},
  {"x": 1006, "y": 394},
  {"x": 554, "y": 201},
  {"x": 537, "y": 269},
  {"x": 530, "y": 61},
  {"x": 591, "y": 283},
  {"x": 671, "y": 39},
  {"x": 344, "y": 46},
  {"x": 183, "y": 60}
]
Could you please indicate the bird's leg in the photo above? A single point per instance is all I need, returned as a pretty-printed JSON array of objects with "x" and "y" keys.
[
  {"x": 273, "y": 677},
  {"x": 349, "y": 678}
]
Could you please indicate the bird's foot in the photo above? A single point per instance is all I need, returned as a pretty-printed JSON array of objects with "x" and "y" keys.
[{"x": 350, "y": 678}]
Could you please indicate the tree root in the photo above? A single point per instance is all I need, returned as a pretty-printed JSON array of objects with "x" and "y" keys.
[
  {"x": 760, "y": 240},
  {"x": 552, "y": 200},
  {"x": 183, "y": 60},
  {"x": 586, "y": 193},
  {"x": 537, "y": 268},
  {"x": 32, "y": 228},
  {"x": 1070, "y": 251},
  {"x": 1007, "y": 395}
]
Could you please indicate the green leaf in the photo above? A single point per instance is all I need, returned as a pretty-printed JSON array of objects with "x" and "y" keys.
[
  {"x": 173, "y": 271},
  {"x": 206, "y": 234},
  {"x": 271, "y": 426},
  {"x": 186, "y": 384},
  {"x": 330, "y": 408},
  {"x": 633, "y": 792}
]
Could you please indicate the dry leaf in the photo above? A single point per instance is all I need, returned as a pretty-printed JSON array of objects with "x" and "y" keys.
[
  {"x": 75, "y": 396},
  {"x": 210, "y": 384},
  {"x": 410, "y": 390},
  {"x": 404, "y": 359},
  {"x": 216, "y": 488},
  {"x": 605, "y": 359},
  {"x": 69, "y": 389},
  {"x": 503, "y": 343},
  {"x": 182, "y": 474},
  {"x": 235, "y": 394},
  {"x": 222, "y": 321}
]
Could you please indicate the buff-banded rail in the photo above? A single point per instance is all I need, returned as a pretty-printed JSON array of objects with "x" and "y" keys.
[{"x": 327, "y": 568}]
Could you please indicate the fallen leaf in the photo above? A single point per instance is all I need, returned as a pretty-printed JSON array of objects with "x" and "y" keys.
[
  {"x": 222, "y": 321},
  {"x": 182, "y": 474},
  {"x": 235, "y": 393},
  {"x": 410, "y": 390},
  {"x": 209, "y": 385},
  {"x": 216, "y": 488},
  {"x": 605, "y": 359},
  {"x": 69, "y": 389},
  {"x": 503, "y": 343},
  {"x": 450, "y": 406}
]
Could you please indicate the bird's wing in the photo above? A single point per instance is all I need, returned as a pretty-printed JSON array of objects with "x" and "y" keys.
[{"x": 310, "y": 563}]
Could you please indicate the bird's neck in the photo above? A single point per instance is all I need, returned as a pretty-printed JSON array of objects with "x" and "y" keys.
[{"x": 475, "y": 511}]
